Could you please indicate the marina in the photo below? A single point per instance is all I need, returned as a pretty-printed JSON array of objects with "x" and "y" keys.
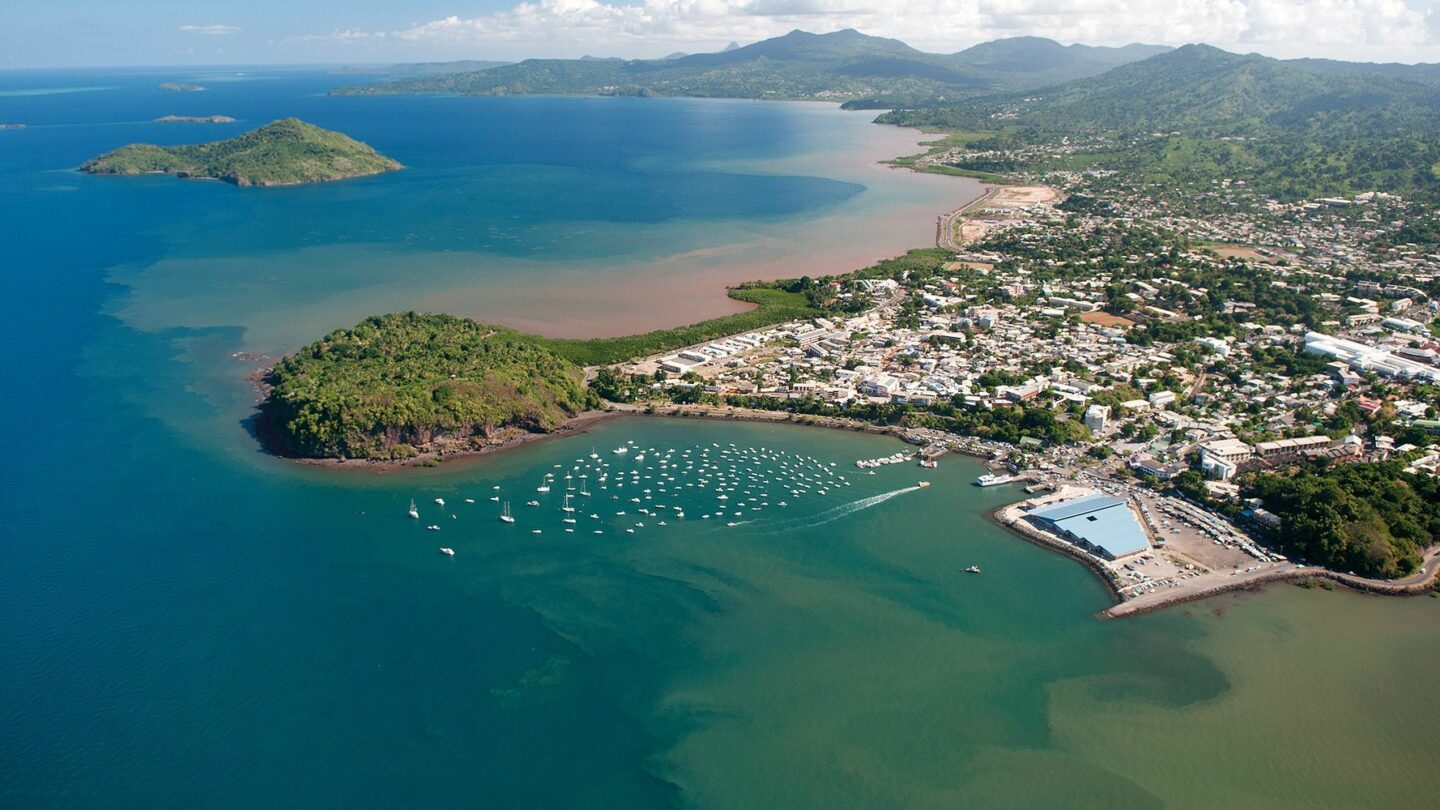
[{"x": 731, "y": 484}]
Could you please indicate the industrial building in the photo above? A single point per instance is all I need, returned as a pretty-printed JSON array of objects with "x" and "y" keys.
[{"x": 1098, "y": 523}]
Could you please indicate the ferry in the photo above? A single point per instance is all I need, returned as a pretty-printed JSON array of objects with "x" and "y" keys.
[{"x": 992, "y": 480}]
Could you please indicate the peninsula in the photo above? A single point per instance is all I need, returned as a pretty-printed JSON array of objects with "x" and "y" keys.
[
  {"x": 399, "y": 385},
  {"x": 194, "y": 119},
  {"x": 282, "y": 153}
]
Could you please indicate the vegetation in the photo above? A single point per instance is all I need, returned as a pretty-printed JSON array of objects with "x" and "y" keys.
[
  {"x": 870, "y": 71},
  {"x": 1291, "y": 128},
  {"x": 774, "y": 305},
  {"x": 285, "y": 152},
  {"x": 1374, "y": 519},
  {"x": 397, "y": 382}
]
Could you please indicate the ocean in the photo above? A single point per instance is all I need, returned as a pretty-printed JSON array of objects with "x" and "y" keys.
[{"x": 185, "y": 621}]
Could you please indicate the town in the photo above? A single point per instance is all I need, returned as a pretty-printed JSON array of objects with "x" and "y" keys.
[{"x": 1161, "y": 362}]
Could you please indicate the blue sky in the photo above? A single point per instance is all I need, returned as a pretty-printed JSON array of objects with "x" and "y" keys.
[{"x": 37, "y": 33}]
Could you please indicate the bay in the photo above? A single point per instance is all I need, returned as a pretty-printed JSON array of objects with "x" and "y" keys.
[{"x": 185, "y": 621}]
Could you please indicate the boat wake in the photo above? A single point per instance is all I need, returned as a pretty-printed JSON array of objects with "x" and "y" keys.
[{"x": 835, "y": 513}]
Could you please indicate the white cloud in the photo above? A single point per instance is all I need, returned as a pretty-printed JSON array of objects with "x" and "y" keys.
[
  {"x": 211, "y": 30},
  {"x": 346, "y": 36},
  {"x": 1343, "y": 28}
]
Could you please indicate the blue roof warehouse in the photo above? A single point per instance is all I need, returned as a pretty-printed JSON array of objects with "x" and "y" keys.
[{"x": 1097, "y": 523}]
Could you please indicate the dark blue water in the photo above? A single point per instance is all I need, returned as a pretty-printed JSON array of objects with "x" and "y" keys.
[{"x": 185, "y": 622}]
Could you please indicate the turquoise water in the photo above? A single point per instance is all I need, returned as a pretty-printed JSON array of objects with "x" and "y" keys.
[{"x": 185, "y": 622}]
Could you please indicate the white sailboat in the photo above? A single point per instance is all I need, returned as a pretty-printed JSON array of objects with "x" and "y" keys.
[
  {"x": 414, "y": 513},
  {"x": 505, "y": 514},
  {"x": 544, "y": 484}
]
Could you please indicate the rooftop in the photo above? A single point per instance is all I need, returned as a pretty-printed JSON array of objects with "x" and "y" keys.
[{"x": 1098, "y": 521}]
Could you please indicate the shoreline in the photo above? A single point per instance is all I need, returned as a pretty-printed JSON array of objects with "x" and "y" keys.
[
  {"x": 432, "y": 459},
  {"x": 1006, "y": 516},
  {"x": 577, "y": 425},
  {"x": 1418, "y": 584}
]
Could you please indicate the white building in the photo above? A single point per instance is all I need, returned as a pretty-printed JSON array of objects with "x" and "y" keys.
[{"x": 1095, "y": 418}]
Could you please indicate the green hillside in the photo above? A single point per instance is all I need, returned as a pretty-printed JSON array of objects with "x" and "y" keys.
[
  {"x": 839, "y": 65},
  {"x": 1198, "y": 113},
  {"x": 285, "y": 152},
  {"x": 394, "y": 383}
]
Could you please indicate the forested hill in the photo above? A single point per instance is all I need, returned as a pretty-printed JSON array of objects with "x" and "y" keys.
[
  {"x": 1292, "y": 128},
  {"x": 1203, "y": 90},
  {"x": 284, "y": 152},
  {"x": 839, "y": 65},
  {"x": 397, "y": 383}
]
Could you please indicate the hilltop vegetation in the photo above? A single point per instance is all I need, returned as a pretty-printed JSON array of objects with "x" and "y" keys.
[
  {"x": 395, "y": 383},
  {"x": 839, "y": 65},
  {"x": 1292, "y": 129},
  {"x": 285, "y": 152},
  {"x": 1373, "y": 519}
]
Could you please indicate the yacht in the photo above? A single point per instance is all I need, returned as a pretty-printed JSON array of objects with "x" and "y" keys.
[
  {"x": 505, "y": 514},
  {"x": 532, "y": 503},
  {"x": 620, "y": 451},
  {"x": 440, "y": 501},
  {"x": 544, "y": 484},
  {"x": 974, "y": 569},
  {"x": 414, "y": 513},
  {"x": 448, "y": 552},
  {"x": 432, "y": 528},
  {"x": 922, "y": 484}
]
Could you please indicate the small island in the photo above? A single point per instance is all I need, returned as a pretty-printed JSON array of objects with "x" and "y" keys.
[
  {"x": 180, "y": 87},
  {"x": 194, "y": 119},
  {"x": 396, "y": 386},
  {"x": 285, "y": 152}
]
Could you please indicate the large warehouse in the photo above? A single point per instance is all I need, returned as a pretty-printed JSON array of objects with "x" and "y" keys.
[{"x": 1097, "y": 523}]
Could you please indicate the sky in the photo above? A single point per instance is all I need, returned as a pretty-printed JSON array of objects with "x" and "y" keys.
[{"x": 75, "y": 33}]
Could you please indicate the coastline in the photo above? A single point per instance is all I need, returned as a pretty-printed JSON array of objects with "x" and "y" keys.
[
  {"x": 447, "y": 457},
  {"x": 1423, "y": 582},
  {"x": 578, "y": 424}
]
